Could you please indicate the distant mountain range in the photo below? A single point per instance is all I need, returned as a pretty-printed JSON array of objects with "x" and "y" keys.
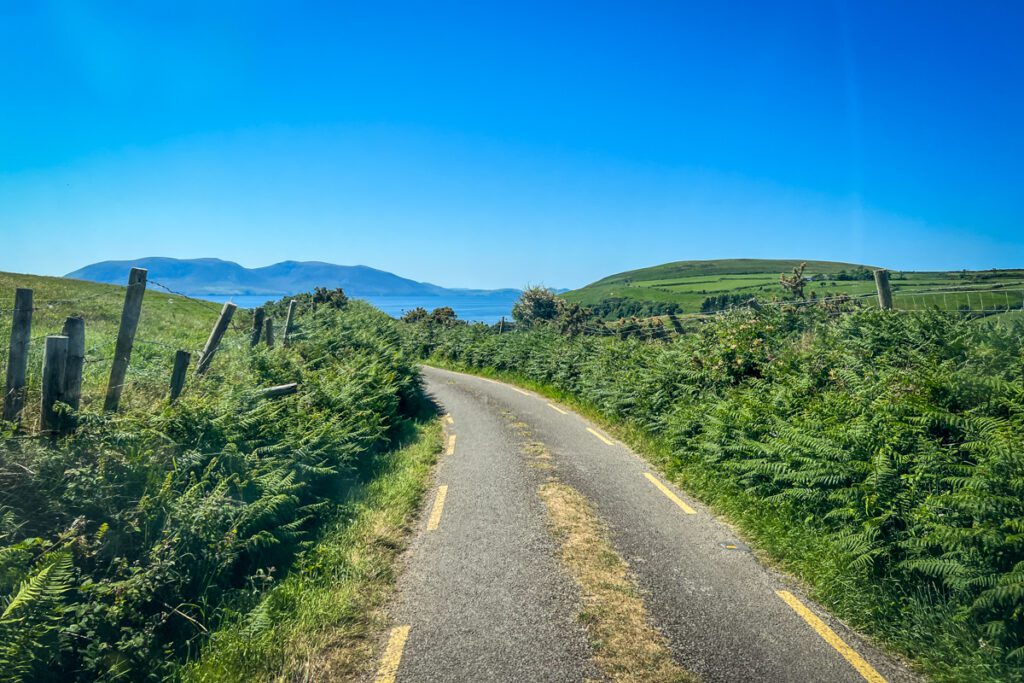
[{"x": 211, "y": 276}]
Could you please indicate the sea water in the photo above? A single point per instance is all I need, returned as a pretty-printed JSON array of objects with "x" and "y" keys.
[{"x": 484, "y": 309}]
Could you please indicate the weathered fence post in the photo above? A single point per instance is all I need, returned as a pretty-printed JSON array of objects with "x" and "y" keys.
[
  {"x": 257, "y": 326},
  {"x": 125, "y": 337},
  {"x": 74, "y": 330},
  {"x": 501, "y": 325},
  {"x": 216, "y": 334},
  {"x": 288, "y": 323},
  {"x": 181, "y": 361},
  {"x": 268, "y": 332},
  {"x": 884, "y": 291},
  {"x": 17, "y": 358},
  {"x": 676, "y": 325},
  {"x": 55, "y": 358}
]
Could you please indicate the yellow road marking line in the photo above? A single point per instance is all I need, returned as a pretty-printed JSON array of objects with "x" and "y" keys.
[
  {"x": 524, "y": 393},
  {"x": 451, "y": 444},
  {"x": 435, "y": 513},
  {"x": 449, "y": 419},
  {"x": 833, "y": 639},
  {"x": 671, "y": 496},
  {"x": 488, "y": 379},
  {"x": 554, "y": 407},
  {"x": 601, "y": 436},
  {"x": 392, "y": 655}
]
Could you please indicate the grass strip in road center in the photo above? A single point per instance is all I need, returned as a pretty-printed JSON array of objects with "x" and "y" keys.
[
  {"x": 626, "y": 646},
  {"x": 832, "y": 638}
]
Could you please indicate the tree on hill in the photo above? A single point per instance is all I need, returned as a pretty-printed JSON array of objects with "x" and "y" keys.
[
  {"x": 855, "y": 274},
  {"x": 336, "y": 298},
  {"x": 794, "y": 284},
  {"x": 536, "y": 305},
  {"x": 540, "y": 306},
  {"x": 415, "y": 315},
  {"x": 572, "y": 318},
  {"x": 724, "y": 302},
  {"x": 444, "y": 316}
]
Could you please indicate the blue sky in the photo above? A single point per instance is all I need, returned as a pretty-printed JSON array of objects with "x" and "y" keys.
[{"x": 522, "y": 142}]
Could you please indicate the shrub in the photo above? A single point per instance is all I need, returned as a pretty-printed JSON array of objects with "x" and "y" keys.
[{"x": 123, "y": 546}]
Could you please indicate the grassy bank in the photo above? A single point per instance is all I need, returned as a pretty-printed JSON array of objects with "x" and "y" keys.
[
  {"x": 168, "y": 322},
  {"x": 126, "y": 545},
  {"x": 320, "y": 622},
  {"x": 875, "y": 456}
]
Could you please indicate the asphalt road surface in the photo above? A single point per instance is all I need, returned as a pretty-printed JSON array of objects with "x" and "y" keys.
[{"x": 483, "y": 598}]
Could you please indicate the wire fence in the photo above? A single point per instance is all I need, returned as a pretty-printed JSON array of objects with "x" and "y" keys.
[
  {"x": 116, "y": 342},
  {"x": 974, "y": 302}
]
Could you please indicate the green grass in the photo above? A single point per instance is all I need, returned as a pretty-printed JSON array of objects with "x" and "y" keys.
[
  {"x": 688, "y": 283},
  {"x": 321, "y": 622},
  {"x": 168, "y": 322}
]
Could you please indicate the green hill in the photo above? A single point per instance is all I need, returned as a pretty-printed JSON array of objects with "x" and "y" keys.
[{"x": 689, "y": 287}]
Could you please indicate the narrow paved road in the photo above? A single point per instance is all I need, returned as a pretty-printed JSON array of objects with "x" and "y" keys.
[{"x": 484, "y": 598}]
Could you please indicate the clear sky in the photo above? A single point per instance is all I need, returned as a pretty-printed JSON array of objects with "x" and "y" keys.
[{"x": 520, "y": 142}]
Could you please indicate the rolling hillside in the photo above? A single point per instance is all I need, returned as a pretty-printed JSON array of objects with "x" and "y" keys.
[{"x": 689, "y": 284}]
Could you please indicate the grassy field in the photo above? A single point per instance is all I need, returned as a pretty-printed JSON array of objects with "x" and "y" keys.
[
  {"x": 169, "y": 322},
  {"x": 689, "y": 283}
]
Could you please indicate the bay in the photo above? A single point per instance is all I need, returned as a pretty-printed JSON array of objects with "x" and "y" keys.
[{"x": 472, "y": 308}]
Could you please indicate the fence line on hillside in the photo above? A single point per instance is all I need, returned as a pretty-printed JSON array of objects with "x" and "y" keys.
[
  {"x": 965, "y": 300},
  {"x": 65, "y": 357}
]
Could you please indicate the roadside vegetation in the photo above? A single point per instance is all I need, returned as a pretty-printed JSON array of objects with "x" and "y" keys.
[
  {"x": 130, "y": 546},
  {"x": 320, "y": 622},
  {"x": 878, "y": 455}
]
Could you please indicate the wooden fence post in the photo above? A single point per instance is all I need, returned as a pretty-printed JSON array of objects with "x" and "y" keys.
[
  {"x": 676, "y": 325},
  {"x": 216, "y": 334},
  {"x": 257, "y": 326},
  {"x": 17, "y": 358},
  {"x": 884, "y": 291},
  {"x": 55, "y": 358},
  {"x": 125, "y": 337},
  {"x": 74, "y": 330},
  {"x": 288, "y": 323},
  {"x": 268, "y": 332},
  {"x": 501, "y": 325},
  {"x": 181, "y": 361}
]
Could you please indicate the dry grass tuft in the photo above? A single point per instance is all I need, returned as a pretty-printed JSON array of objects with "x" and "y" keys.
[{"x": 626, "y": 646}]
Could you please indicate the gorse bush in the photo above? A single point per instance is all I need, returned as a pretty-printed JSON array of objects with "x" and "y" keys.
[
  {"x": 885, "y": 451},
  {"x": 124, "y": 546}
]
